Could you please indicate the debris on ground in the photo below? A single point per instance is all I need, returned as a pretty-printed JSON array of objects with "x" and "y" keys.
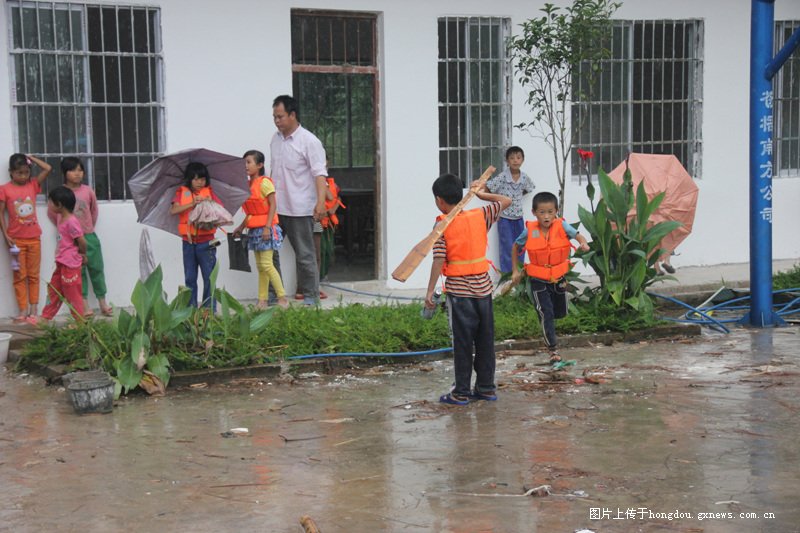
[
  {"x": 538, "y": 492},
  {"x": 309, "y": 526}
]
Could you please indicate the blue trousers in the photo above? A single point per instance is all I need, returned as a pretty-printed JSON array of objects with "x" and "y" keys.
[
  {"x": 204, "y": 257},
  {"x": 472, "y": 328},
  {"x": 509, "y": 230}
]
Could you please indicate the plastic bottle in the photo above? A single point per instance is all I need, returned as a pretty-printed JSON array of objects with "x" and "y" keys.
[
  {"x": 14, "y": 251},
  {"x": 427, "y": 313}
]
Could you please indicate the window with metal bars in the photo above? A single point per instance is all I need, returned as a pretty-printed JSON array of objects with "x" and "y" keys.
[
  {"x": 87, "y": 81},
  {"x": 646, "y": 98},
  {"x": 335, "y": 68},
  {"x": 474, "y": 95},
  {"x": 786, "y": 110}
]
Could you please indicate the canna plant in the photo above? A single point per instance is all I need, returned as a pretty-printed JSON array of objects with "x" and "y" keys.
[{"x": 624, "y": 245}]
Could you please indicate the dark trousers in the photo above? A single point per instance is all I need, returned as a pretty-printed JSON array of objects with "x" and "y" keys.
[
  {"x": 550, "y": 300},
  {"x": 204, "y": 257},
  {"x": 472, "y": 329}
]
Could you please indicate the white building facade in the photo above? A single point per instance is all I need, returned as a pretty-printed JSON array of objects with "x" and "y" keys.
[{"x": 401, "y": 91}]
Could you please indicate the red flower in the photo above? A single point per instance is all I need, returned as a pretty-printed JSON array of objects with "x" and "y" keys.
[{"x": 585, "y": 154}]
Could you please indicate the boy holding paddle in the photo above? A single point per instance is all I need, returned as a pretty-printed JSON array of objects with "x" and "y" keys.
[{"x": 460, "y": 254}]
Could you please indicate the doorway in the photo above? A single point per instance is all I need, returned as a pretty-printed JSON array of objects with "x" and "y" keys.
[{"x": 334, "y": 77}]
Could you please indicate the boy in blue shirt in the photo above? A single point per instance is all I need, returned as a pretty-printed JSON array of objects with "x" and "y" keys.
[{"x": 547, "y": 242}]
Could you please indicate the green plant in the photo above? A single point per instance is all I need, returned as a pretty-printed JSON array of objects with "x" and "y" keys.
[
  {"x": 624, "y": 245},
  {"x": 548, "y": 55},
  {"x": 789, "y": 279}
]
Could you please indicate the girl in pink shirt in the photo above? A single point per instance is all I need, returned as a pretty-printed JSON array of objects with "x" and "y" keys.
[
  {"x": 22, "y": 232},
  {"x": 70, "y": 256},
  {"x": 86, "y": 212}
]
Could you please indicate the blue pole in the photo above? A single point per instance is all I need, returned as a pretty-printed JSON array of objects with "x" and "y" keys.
[{"x": 761, "y": 133}]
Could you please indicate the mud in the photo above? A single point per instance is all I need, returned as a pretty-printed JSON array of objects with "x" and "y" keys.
[{"x": 672, "y": 430}]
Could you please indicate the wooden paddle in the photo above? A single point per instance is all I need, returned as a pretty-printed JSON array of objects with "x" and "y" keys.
[{"x": 418, "y": 253}]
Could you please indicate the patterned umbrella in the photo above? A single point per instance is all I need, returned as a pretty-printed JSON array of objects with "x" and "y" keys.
[
  {"x": 154, "y": 186},
  {"x": 664, "y": 173}
]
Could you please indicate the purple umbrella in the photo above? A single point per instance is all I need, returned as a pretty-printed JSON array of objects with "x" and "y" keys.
[{"x": 153, "y": 186}]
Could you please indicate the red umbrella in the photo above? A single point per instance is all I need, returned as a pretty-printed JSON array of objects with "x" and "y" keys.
[
  {"x": 664, "y": 173},
  {"x": 153, "y": 186}
]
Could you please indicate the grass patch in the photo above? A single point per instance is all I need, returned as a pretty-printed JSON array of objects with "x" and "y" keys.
[{"x": 384, "y": 328}]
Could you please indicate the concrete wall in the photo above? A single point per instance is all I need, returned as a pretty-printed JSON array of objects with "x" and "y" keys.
[{"x": 225, "y": 61}]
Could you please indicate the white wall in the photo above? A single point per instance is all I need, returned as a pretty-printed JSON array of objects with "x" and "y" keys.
[{"x": 226, "y": 61}]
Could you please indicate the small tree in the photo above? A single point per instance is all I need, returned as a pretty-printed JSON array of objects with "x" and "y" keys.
[{"x": 549, "y": 52}]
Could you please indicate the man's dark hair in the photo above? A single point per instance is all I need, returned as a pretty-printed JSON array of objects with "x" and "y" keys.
[
  {"x": 544, "y": 198},
  {"x": 515, "y": 150},
  {"x": 63, "y": 197},
  {"x": 449, "y": 188},
  {"x": 289, "y": 105}
]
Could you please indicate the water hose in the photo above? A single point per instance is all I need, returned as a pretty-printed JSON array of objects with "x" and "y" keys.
[
  {"x": 702, "y": 314},
  {"x": 374, "y": 295},
  {"x": 371, "y": 354}
]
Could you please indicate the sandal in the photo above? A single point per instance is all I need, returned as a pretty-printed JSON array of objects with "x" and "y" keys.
[
  {"x": 554, "y": 357},
  {"x": 322, "y": 295},
  {"x": 669, "y": 268},
  {"x": 108, "y": 311},
  {"x": 488, "y": 397},
  {"x": 449, "y": 398}
]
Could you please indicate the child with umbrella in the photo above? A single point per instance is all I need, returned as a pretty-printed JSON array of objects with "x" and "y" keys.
[{"x": 198, "y": 248}]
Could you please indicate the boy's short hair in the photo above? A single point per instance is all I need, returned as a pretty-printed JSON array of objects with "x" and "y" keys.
[
  {"x": 63, "y": 197},
  {"x": 544, "y": 198},
  {"x": 515, "y": 150},
  {"x": 449, "y": 188}
]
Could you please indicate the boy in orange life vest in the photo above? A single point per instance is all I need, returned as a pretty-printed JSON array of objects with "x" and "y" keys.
[
  {"x": 547, "y": 242},
  {"x": 460, "y": 254}
]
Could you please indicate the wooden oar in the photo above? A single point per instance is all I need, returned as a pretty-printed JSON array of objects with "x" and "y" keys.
[{"x": 423, "y": 247}]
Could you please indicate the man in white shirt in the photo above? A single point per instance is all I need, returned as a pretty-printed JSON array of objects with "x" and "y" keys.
[{"x": 297, "y": 165}]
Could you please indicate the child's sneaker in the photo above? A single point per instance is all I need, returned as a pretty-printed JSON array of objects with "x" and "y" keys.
[
  {"x": 452, "y": 399},
  {"x": 488, "y": 397}
]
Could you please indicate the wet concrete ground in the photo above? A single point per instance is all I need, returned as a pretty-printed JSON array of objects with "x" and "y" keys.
[{"x": 691, "y": 427}]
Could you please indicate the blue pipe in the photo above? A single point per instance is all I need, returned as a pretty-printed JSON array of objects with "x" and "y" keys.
[
  {"x": 761, "y": 39},
  {"x": 761, "y": 148},
  {"x": 789, "y": 308},
  {"x": 780, "y": 58},
  {"x": 375, "y": 295},
  {"x": 370, "y": 354}
]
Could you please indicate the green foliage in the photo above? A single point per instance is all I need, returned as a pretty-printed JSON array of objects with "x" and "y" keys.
[
  {"x": 624, "y": 245},
  {"x": 202, "y": 342},
  {"x": 787, "y": 280},
  {"x": 547, "y": 54}
]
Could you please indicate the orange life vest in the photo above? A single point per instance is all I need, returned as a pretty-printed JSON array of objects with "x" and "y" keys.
[
  {"x": 548, "y": 256},
  {"x": 466, "y": 244},
  {"x": 183, "y": 222},
  {"x": 332, "y": 219},
  {"x": 257, "y": 207}
]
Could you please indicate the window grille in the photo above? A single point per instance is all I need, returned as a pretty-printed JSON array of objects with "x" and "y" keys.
[
  {"x": 786, "y": 87},
  {"x": 335, "y": 70},
  {"x": 647, "y": 97},
  {"x": 474, "y": 95},
  {"x": 87, "y": 81}
]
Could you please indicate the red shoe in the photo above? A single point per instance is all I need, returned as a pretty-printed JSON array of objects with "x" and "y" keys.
[{"x": 322, "y": 295}]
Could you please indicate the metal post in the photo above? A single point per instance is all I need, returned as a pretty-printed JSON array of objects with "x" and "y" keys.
[{"x": 761, "y": 134}]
